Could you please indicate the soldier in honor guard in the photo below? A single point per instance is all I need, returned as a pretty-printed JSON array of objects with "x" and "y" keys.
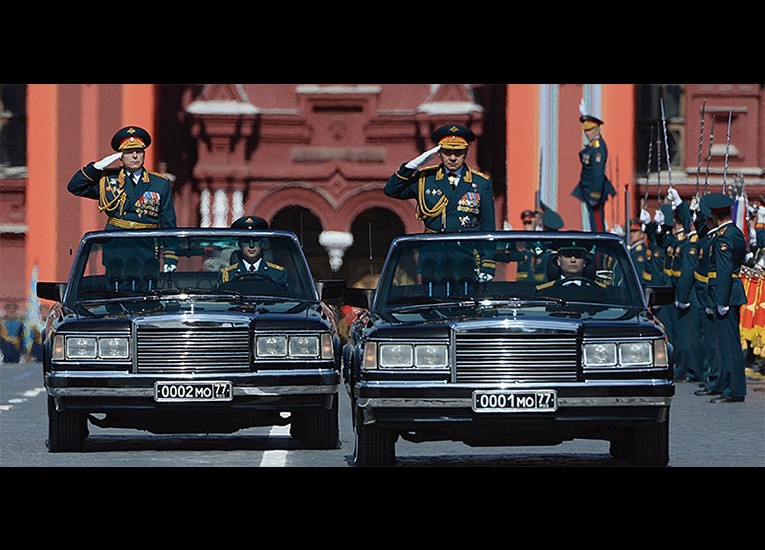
[
  {"x": 450, "y": 196},
  {"x": 593, "y": 188},
  {"x": 131, "y": 196},
  {"x": 637, "y": 247},
  {"x": 728, "y": 251}
]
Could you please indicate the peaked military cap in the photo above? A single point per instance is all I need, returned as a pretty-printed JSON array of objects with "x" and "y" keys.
[
  {"x": 636, "y": 224},
  {"x": 131, "y": 137},
  {"x": 551, "y": 220},
  {"x": 719, "y": 201},
  {"x": 589, "y": 122},
  {"x": 572, "y": 249},
  {"x": 453, "y": 136},
  {"x": 527, "y": 215},
  {"x": 249, "y": 222}
]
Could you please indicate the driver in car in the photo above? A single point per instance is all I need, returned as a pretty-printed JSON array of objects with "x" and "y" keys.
[
  {"x": 571, "y": 261},
  {"x": 251, "y": 261}
]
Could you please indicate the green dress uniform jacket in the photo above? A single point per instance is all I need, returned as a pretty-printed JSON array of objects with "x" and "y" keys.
[
  {"x": 594, "y": 188},
  {"x": 270, "y": 270},
  {"x": 147, "y": 205},
  {"x": 637, "y": 252},
  {"x": 468, "y": 207}
]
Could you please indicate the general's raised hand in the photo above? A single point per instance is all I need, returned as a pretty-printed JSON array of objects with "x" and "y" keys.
[
  {"x": 423, "y": 158},
  {"x": 107, "y": 160}
]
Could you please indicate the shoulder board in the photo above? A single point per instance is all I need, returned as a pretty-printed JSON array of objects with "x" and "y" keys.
[
  {"x": 601, "y": 284},
  {"x": 230, "y": 268},
  {"x": 595, "y": 143},
  {"x": 275, "y": 266},
  {"x": 481, "y": 174},
  {"x": 164, "y": 177},
  {"x": 429, "y": 168},
  {"x": 694, "y": 238},
  {"x": 723, "y": 230},
  {"x": 545, "y": 285}
]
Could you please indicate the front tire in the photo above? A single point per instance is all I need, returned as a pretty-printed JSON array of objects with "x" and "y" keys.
[
  {"x": 649, "y": 446},
  {"x": 317, "y": 429},
  {"x": 373, "y": 446},
  {"x": 67, "y": 430}
]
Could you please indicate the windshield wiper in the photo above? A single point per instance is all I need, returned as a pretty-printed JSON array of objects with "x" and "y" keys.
[{"x": 426, "y": 302}]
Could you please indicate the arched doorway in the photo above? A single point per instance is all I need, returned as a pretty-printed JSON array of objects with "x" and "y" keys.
[
  {"x": 306, "y": 225},
  {"x": 373, "y": 230}
]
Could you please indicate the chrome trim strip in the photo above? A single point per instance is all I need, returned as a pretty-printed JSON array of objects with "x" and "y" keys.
[
  {"x": 467, "y": 403},
  {"x": 149, "y": 392}
]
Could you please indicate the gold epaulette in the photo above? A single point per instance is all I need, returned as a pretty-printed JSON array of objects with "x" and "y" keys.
[
  {"x": 275, "y": 266},
  {"x": 225, "y": 271},
  {"x": 163, "y": 176},
  {"x": 485, "y": 176},
  {"x": 545, "y": 285}
]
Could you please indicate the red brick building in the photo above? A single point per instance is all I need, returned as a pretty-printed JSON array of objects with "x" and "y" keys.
[{"x": 314, "y": 158}]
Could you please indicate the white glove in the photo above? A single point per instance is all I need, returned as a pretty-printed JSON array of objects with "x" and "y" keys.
[
  {"x": 485, "y": 277},
  {"x": 709, "y": 311},
  {"x": 695, "y": 203},
  {"x": 722, "y": 310},
  {"x": 645, "y": 217},
  {"x": 680, "y": 305},
  {"x": 414, "y": 164},
  {"x": 168, "y": 268},
  {"x": 106, "y": 161},
  {"x": 658, "y": 217},
  {"x": 748, "y": 257},
  {"x": 674, "y": 196}
]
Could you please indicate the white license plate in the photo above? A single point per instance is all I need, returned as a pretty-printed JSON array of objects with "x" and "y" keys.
[
  {"x": 193, "y": 391},
  {"x": 515, "y": 401}
]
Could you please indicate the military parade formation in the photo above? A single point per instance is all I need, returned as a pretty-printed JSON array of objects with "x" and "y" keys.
[{"x": 699, "y": 249}]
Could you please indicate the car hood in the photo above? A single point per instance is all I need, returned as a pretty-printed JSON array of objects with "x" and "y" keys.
[
  {"x": 282, "y": 314},
  {"x": 614, "y": 322}
]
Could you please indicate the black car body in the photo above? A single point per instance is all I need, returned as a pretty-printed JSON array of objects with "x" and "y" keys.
[
  {"x": 130, "y": 344},
  {"x": 447, "y": 348}
]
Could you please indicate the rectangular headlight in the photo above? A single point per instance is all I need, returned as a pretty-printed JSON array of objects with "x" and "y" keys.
[
  {"x": 635, "y": 354},
  {"x": 431, "y": 356},
  {"x": 396, "y": 355},
  {"x": 304, "y": 346},
  {"x": 271, "y": 346},
  {"x": 113, "y": 348},
  {"x": 81, "y": 347},
  {"x": 599, "y": 355}
]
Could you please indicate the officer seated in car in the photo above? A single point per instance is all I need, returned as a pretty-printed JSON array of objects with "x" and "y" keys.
[
  {"x": 249, "y": 262},
  {"x": 570, "y": 268}
]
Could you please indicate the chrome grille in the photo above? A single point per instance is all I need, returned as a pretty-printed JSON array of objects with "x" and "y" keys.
[
  {"x": 503, "y": 357},
  {"x": 192, "y": 349}
]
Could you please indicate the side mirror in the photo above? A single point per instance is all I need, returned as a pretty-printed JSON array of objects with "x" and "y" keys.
[
  {"x": 51, "y": 291},
  {"x": 659, "y": 295}
]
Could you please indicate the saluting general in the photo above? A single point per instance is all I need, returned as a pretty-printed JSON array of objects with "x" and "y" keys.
[
  {"x": 132, "y": 198},
  {"x": 450, "y": 196}
]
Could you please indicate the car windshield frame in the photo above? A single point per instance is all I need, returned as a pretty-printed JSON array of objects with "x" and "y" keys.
[
  {"x": 131, "y": 265},
  {"x": 484, "y": 269}
]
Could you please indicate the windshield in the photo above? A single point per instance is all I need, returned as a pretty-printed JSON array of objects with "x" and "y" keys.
[
  {"x": 226, "y": 265},
  {"x": 551, "y": 269}
]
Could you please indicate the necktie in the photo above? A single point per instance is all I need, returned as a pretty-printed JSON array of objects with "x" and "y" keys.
[
  {"x": 453, "y": 179},
  {"x": 252, "y": 267}
]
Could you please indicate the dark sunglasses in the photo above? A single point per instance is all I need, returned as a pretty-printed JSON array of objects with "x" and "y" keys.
[
  {"x": 572, "y": 252},
  {"x": 250, "y": 242}
]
